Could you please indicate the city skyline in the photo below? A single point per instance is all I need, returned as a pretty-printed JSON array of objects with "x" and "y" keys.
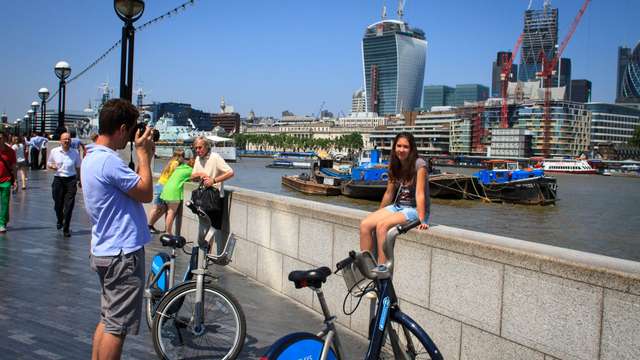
[{"x": 271, "y": 57}]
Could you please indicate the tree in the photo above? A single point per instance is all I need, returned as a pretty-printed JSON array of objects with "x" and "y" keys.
[{"x": 635, "y": 140}]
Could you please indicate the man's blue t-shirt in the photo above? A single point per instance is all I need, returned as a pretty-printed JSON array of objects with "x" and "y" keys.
[
  {"x": 75, "y": 143},
  {"x": 119, "y": 221}
]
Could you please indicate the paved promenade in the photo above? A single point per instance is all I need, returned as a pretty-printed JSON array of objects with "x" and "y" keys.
[{"x": 49, "y": 297}]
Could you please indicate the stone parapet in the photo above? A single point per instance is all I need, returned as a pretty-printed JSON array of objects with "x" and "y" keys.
[{"x": 479, "y": 296}]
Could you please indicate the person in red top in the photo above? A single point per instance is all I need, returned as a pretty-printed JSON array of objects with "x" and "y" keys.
[{"x": 7, "y": 179}]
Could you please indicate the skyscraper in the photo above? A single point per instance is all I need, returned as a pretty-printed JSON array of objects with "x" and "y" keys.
[
  {"x": 393, "y": 57},
  {"x": 540, "y": 36},
  {"x": 581, "y": 91},
  {"x": 628, "y": 82},
  {"x": 496, "y": 82}
]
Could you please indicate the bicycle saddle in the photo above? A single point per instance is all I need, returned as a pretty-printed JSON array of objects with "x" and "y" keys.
[
  {"x": 313, "y": 278},
  {"x": 174, "y": 241}
]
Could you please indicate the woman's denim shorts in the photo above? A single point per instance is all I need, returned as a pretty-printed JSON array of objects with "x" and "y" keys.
[
  {"x": 410, "y": 213},
  {"x": 157, "y": 190}
]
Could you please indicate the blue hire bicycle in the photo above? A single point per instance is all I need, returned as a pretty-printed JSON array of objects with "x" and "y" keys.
[{"x": 407, "y": 339}]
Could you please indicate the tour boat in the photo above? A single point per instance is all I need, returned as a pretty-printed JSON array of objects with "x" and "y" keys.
[{"x": 567, "y": 166}]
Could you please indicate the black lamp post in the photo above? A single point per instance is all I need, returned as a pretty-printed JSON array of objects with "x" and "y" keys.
[
  {"x": 43, "y": 93},
  {"x": 128, "y": 11},
  {"x": 32, "y": 124},
  {"x": 63, "y": 70}
]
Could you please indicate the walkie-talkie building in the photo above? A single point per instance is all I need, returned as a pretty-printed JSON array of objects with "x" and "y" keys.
[{"x": 393, "y": 57}]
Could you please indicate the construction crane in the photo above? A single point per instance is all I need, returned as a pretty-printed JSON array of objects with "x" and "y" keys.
[
  {"x": 507, "y": 64},
  {"x": 548, "y": 70}
]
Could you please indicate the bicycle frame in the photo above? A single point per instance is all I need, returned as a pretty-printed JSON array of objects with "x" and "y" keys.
[{"x": 329, "y": 333}]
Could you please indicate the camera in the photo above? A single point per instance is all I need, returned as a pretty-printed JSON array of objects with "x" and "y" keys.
[{"x": 140, "y": 128}]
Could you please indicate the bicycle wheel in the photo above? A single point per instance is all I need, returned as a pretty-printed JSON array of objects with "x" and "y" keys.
[
  {"x": 177, "y": 336},
  {"x": 298, "y": 346},
  {"x": 414, "y": 342},
  {"x": 151, "y": 301}
]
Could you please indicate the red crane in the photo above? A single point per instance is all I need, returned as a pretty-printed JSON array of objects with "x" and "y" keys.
[
  {"x": 507, "y": 64},
  {"x": 548, "y": 70}
]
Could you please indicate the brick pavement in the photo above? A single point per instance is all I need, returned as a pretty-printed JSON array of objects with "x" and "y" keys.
[{"x": 49, "y": 297}]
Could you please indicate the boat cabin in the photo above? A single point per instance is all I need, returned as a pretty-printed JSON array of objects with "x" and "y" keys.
[{"x": 504, "y": 171}]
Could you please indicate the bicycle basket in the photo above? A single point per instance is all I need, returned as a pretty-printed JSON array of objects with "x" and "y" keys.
[{"x": 354, "y": 280}]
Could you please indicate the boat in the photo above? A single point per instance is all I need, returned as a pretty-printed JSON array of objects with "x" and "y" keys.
[
  {"x": 568, "y": 166},
  {"x": 293, "y": 160},
  {"x": 504, "y": 181},
  {"x": 364, "y": 189},
  {"x": 307, "y": 185},
  {"x": 453, "y": 186}
]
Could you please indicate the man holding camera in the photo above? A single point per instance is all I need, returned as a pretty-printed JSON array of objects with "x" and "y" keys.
[{"x": 113, "y": 196}]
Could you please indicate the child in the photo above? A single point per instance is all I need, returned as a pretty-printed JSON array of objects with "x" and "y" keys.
[{"x": 172, "y": 193}]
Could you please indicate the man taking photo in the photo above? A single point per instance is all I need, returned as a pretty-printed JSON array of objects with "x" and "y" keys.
[{"x": 113, "y": 196}]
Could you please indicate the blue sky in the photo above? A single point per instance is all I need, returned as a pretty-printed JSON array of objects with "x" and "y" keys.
[{"x": 275, "y": 55}]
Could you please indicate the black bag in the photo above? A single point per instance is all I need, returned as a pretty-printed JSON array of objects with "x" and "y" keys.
[{"x": 207, "y": 198}]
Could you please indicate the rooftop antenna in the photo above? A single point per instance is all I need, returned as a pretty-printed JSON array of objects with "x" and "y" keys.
[
  {"x": 400, "y": 9},
  {"x": 530, "y": 4},
  {"x": 384, "y": 11}
]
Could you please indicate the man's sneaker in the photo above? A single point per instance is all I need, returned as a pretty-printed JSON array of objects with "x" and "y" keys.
[
  {"x": 3, "y": 229},
  {"x": 67, "y": 233},
  {"x": 58, "y": 226},
  {"x": 153, "y": 230}
]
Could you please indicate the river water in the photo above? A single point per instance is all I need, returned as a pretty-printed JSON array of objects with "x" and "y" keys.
[{"x": 594, "y": 213}]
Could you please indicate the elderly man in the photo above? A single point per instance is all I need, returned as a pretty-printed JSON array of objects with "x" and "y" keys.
[{"x": 66, "y": 163}]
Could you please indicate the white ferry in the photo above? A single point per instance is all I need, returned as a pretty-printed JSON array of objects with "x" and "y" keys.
[{"x": 567, "y": 166}]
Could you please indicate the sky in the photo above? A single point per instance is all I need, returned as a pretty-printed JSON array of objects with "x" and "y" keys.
[{"x": 270, "y": 56}]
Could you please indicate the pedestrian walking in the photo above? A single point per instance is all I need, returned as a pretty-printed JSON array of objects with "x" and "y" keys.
[
  {"x": 43, "y": 151},
  {"x": 172, "y": 193},
  {"x": 19, "y": 146},
  {"x": 7, "y": 179},
  {"x": 113, "y": 196},
  {"x": 36, "y": 144},
  {"x": 159, "y": 206},
  {"x": 77, "y": 144},
  {"x": 66, "y": 163}
]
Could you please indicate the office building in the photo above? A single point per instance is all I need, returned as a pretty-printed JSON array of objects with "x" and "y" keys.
[
  {"x": 393, "y": 57},
  {"x": 540, "y": 34},
  {"x": 581, "y": 91},
  {"x": 470, "y": 93},
  {"x": 181, "y": 114},
  {"x": 437, "y": 95},
  {"x": 628, "y": 80},
  {"x": 611, "y": 123},
  {"x": 230, "y": 122},
  {"x": 496, "y": 81},
  {"x": 510, "y": 143},
  {"x": 357, "y": 102}
]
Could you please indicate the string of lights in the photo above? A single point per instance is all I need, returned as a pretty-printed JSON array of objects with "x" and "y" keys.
[{"x": 173, "y": 12}]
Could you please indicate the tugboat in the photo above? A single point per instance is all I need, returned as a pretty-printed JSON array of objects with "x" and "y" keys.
[
  {"x": 293, "y": 160},
  {"x": 504, "y": 181},
  {"x": 368, "y": 179}
]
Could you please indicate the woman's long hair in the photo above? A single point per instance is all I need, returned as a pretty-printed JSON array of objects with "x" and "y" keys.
[
  {"x": 399, "y": 171},
  {"x": 176, "y": 159}
]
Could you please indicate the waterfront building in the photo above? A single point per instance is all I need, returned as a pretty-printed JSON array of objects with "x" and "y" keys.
[
  {"x": 432, "y": 132},
  {"x": 72, "y": 120},
  {"x": 437, "y": 95},
  {"x": 581, "y": 91},
  {"x": 181, "y": 113},
  {"x": 358, "y": 102},
  {"x": 295, "y": 120},
  {"x": 230, "y": 122},
  {"x": 315, "y": 130},
  {"x": 496, "y": 71},
  {"x": 570, "y": 127},
  {"x": 470, "y": 93},
  {"x": 362, "y": 120},
  {"x": 393, "y": 57},
  {"x": 510, "y": 143},
  {"x": 612, "y": 124},
  {"x": 628, "y": 80}
]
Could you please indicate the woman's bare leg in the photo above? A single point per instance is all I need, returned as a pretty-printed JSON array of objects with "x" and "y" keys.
[
  {"x": 172, "y": 209},
  {"x": 156, "y": 213},
  {"x": 368, "y": 225},
  {"x": 381, "y": 232}
]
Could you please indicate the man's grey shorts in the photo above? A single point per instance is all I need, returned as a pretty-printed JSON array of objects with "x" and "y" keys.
[{"x": 122, "y": 281}]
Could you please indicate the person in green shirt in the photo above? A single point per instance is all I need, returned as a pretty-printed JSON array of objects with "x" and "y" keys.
[{"x": 172, "y": 193}]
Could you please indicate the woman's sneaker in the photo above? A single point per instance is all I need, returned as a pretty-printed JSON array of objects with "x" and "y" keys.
[
  {"x": 153, "y": 230},
  {"x": 3, "y": 229}
]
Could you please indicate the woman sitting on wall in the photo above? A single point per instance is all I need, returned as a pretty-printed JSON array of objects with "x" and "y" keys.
[{"x": 406, "y": 198}]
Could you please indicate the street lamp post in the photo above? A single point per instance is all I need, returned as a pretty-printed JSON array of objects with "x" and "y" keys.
[
  {"x": 29, "y": 118},
  {"x": 43, "y": 93},
  {"x": 31, "y": 125},
  {"x": 128, "y": 11},
  {"x": 62, "y": 70}
]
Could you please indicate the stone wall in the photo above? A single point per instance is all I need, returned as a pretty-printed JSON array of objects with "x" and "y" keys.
[{"x": 479, "y": 296}]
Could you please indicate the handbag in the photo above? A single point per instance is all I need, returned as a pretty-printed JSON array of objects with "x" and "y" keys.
[{"x": 206, "y": 198}]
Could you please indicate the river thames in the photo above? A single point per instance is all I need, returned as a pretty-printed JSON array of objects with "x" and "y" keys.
[{"x": 593, "y": 213}]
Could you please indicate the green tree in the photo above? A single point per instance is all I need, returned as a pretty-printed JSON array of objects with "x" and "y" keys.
[{"x": 635, "y": 140}]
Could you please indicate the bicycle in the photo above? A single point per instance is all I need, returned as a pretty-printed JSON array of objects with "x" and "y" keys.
[
  {"x": 326, "y": 345},
  {"x": 196, "y": 319}
]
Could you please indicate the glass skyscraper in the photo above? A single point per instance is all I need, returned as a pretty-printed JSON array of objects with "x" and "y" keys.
[
  {"x": 628, "y": 82},
  {"x": 393, "y": 57}
]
